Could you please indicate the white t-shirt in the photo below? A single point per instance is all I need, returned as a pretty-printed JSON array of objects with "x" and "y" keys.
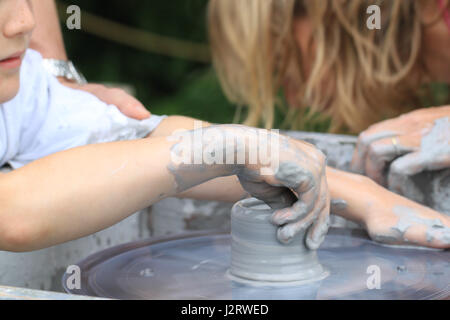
[{"x": 46, "y": 117}]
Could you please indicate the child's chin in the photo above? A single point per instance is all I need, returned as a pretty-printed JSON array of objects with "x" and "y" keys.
[{"x": 9, "y": 89}]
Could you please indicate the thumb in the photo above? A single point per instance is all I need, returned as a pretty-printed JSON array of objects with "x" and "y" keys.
[
  {"x": 134, "y": 109},
  {"x": 127, "y": 104}
]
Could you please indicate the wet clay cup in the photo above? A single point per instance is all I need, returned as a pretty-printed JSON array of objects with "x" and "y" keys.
[{"x": 257, "y": 255}]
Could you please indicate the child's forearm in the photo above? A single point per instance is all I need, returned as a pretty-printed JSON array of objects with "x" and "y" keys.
[
  {"x": 78, "y": 192},
  {"x": 226, "y": 189},
  {"x": 173, "y": 124}
]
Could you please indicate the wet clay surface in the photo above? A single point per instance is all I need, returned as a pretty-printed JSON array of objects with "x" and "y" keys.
[{"x": 257, "y": 254}]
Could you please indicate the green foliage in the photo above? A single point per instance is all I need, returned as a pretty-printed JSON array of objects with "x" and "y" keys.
[
  {"x": 165, "y": 85},
  {"x": 436, "y": 94},
  {"x": 200, "y": 97}
]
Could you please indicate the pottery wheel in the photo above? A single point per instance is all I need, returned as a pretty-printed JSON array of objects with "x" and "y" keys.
[{"x": 195, "y": 266}]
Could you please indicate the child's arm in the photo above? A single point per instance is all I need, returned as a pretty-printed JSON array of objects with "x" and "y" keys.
[
  {"x": 80, "y": 191},
  {"x": 227, "y": 189},
  {"x": 77, "y": 192}
]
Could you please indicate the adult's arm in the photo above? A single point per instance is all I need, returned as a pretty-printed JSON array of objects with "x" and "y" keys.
[{"x": 392, "y": 151}]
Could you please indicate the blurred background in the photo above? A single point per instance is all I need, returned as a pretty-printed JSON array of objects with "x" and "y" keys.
[
  {"x": 122, "y": 54},
  {"x": 159, "y": 49}
]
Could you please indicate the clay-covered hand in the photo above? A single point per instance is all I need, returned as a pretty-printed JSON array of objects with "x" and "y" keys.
[
  {"x": 297, "y": 188},
  {"x": 387, "y": 217},
  {"x": 287, "y": 174},
  {"x": 392, "y": 219},
  {"x": 126, "y": 103},
  {"x": 392, "y": 151}
]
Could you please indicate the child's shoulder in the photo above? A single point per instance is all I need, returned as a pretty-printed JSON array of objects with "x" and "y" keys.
[
  {"x": 33, "y": 74},
  {"x": 31, "y": 55},
  {"x": 17, "y": 113},
  {"x": 46, "y": 117},
  {"x": 33, "y": 84}
]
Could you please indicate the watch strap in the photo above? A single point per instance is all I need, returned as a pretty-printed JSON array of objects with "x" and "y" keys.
[{"x": 64, "y": 69}]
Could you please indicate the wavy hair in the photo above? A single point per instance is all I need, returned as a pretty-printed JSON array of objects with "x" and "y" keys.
[{"x": 356, "y": 76}]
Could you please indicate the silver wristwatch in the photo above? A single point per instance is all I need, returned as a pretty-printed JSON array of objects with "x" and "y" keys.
[{"x": 65, "y": 69}]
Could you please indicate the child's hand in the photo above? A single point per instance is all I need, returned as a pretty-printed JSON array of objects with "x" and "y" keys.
[
  {"x": 297, "y": 189},
  {"x": 407, "y": 225},
  {"x": 126, "y": 103},
  {"x": 388, "y": 217},
  {"x": 286, "y": 174}
]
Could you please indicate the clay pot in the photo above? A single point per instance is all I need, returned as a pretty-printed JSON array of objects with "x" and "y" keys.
[{"x": 256, "y": 253}]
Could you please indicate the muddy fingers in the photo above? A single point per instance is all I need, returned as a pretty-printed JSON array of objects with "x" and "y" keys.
[
  {"x": 316, "y": 233},
  {"x": 287, "y": 232}
]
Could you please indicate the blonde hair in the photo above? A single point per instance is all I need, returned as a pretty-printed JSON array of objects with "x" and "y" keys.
[{"x": 357, "y": 76}]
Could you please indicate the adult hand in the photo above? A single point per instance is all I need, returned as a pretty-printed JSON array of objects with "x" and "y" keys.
[
  {"x": 297, "y": 188},
  {"x": 392, "y": 151},
  {"x": 126, "y": 103}
]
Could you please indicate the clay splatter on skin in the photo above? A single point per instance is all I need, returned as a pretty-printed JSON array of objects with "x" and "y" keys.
[
  {"x": 293, "y": 175},
  {"x": 435, "y": 146},
  {"x": 407, "y": 160},
  {"x": 363, "y": 147},
  {"x": 296, "y": 173},
  {"x": 407, "y": 218},
  {"x": 191, "y": 173},
  {"x": 314, "y": 242},
  {"x": 123, "y": 166},
  {"x": 338, "y": 205},
  {"x": 434, "y": 154}
]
